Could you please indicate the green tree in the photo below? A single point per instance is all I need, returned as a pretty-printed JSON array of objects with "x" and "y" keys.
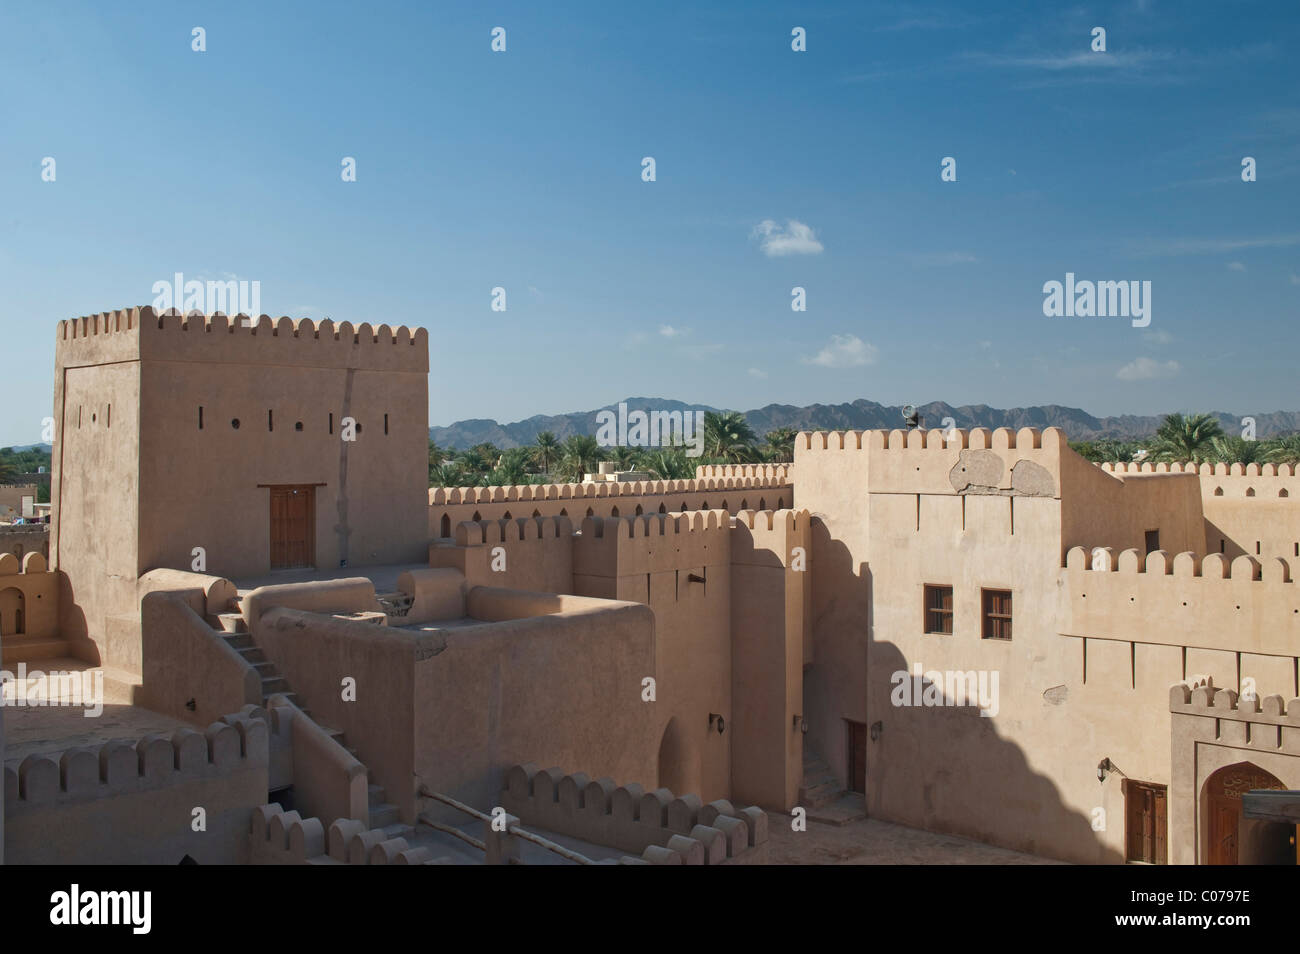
[
  {"x": 727, "y": 435},
  {"x": 1186, "y": 438},
  {"x": 511, "y": 469},
  {"x": 446, "y": 475},
  {"x": 1237, "y": 450},
  {"x": 1284, "y": 450},
  {"x": 779, "y": 444},
  {"x": 546, "y": 450},
  {"x": 671, "y": 464},
  {"x": 579, "y": 456},
  {"x": 625, "y": 458}
]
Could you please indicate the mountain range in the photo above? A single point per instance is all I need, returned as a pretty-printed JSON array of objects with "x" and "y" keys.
[{"x": 860, "y": 415}]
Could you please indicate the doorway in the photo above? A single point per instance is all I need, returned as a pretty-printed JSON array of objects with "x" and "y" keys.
[
  {"x": 293, "y": 526},
  {"x": 1145, "y": 822},
  {"x": 857, "y": 756},
  {"x": 1230, "y": 839},
  {"x": 12, "y": 604}
]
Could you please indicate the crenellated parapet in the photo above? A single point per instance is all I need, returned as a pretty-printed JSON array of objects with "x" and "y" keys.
[
  {"x": 661, "y": 827},
  {"x": 1210, "y": 601},
  {"x": 449, "y": 496},
  {"x": 143, "y": 334},
  {"x": 625, "y": 546},
  {"x": 940, "y": 461},
  {"x": 771, "y": 538},
  {"x": 154, "y": 762},
  {"x": 776, "y": 472},
  {"x": 1265, "y": 723}
]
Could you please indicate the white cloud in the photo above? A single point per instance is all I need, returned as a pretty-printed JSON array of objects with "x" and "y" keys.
[
  {"x": 701, "y": 351},
  {"x": 845, "y": 351},
  {"x": 1203, "y": 246},
  {"x": 1236, "y": 267},
  {"x": 795, "y": 239},
  {"x": 1145, "y": 369},
  {"x": 756, "y": 373},
  {"x": 668, "y": 331},
  {"x": 1157, "y": 337}
]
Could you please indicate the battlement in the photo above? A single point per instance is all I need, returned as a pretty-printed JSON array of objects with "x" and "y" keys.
[
  {"x": 141, "y": 333},
  {"x": 661, "y": 827},
  {"x": 759, "y": 471},
  {"x": 31, "y": 563},
  {"x": 449, "y": 496},
  {"x": 155, "y": 761},
  {"x": 1219, "y": 703},
  {"x": 940, "y": 461},
  {"x": 758, "y": 537},
  {"x": 475, "y": 532},
  {"x": 934, "y": 439},
  {"x": 1233, "y": 481},
  {"x": 626, "y": 546},
  {"x": 1242, "y": 605}
]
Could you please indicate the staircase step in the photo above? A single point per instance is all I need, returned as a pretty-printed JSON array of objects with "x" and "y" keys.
[
  {"x": 384, "y": 814},
  {"x": 237, "y": 640},
  {"x": 849, "y": 807},
  {"x": 232, "y": 622},
  {"x": 376, "y": 793},
  {"x": 274, "y": 684}
]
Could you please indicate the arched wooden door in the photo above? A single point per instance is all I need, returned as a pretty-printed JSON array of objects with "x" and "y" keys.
[{"x": 1223, "y": 791}]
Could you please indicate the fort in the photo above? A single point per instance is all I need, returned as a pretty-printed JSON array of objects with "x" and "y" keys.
[{"x": 368, "y": 670}]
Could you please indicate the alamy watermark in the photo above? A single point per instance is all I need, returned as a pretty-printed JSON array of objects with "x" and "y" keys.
[
  {"x": 947, "y": 688},
  {"x": 232, "y": 297},
  {"x": 1087, "y": 299},
  {"x": 651, "y": 429},
  {"x": 61, "y": 688}
]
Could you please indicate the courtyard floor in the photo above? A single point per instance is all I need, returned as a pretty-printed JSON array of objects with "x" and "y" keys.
[{"x": 870, "y": 841}]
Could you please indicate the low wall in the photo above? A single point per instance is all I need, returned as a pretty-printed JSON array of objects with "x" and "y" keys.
[
  {"x": 629, "y": 818},
  {"x": 185, "y": 661},
  {"x": 121, "y": 803}
]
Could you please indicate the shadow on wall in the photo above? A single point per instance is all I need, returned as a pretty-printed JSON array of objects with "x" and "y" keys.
[{"x": 945, "y": 767}]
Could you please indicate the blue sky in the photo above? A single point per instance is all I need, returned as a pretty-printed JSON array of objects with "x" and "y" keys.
[{"x": 522, "y": 170}]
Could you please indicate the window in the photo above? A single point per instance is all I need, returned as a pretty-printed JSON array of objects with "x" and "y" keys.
[
  {"x": 938, "y": 609},
  {"x": 1153, "y": 541},
  {"x": 997, "y": 614}
]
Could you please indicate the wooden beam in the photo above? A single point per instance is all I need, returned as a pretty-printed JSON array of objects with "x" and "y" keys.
[{"x": 1272, "y": 806}]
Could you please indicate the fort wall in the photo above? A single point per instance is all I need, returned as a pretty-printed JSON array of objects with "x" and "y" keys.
[
  {"x": 134, "y": 803},
  {"x": 29, "y": 600},
  {"x": 448, "y": 507}
]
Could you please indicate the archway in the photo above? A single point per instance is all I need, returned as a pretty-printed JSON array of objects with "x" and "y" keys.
[
  {"x": 446, "y": 525},
  {"x": 12, "y": 604},
  {"x": 1231, "y": 839}
]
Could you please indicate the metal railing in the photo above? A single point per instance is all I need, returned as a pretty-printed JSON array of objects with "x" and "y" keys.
[{"x": 515, "y": 830}]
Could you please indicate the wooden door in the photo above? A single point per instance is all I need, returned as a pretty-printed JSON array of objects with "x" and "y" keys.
[
  {"x": 857, "y": 756},
  {"x": 293, "y": 527},
  {"x": 1223, "y": 791},
  {"x": 1145, "y": 822}
]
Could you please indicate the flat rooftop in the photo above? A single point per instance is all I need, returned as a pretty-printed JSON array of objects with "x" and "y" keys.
[{"x": 383, "y": 575}]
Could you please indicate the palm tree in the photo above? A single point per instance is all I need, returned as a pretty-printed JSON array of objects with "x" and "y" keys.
[
  {"x": 728, "y": 435},
  {"x": 669, "y": 465},
  {"x": 1187, "y": 438},
  {"x": 1237, "y": 450},
  {"x": 780, "y": 444},
  {"x": 511, "y": 469},
  {"x": 1284, "y": 450},
  {"x": 473, "y": 464},
  {"x": 436, "y": 458},
  {"x": 578, "y": 457},
  {"x": 446, "y": 475},
  {"x": 546, "y": 449}
]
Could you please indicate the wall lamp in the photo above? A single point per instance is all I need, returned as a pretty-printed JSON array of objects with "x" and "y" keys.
[
  {"x": 722, "y": 725},
  {"x": 877, "y": 730},
  {"x": 801, "y": 724},
  {"x": 1104, "y": 767}
]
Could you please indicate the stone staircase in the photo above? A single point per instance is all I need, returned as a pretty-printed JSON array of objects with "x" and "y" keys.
[
  {"x": 824, "y": 796},
  {"x": 230, "y": 626}
]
